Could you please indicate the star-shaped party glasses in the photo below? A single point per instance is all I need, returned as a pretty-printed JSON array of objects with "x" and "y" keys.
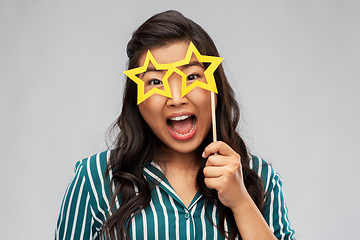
[{"x": 171, "y": 68}]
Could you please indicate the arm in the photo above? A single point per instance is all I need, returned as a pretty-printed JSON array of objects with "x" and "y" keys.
[
  {"x": 75, "y": 218},
  {"x": 223, "y": 173},
  {"x": 275, "y": 210}
]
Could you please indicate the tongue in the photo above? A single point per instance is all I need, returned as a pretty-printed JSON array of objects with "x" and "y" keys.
[{"x": 183, "y": 126}]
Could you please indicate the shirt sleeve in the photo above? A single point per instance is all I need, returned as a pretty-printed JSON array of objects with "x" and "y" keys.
[
  {"x": 275, "y": 209},
  {"x": 75, "y": 219}
]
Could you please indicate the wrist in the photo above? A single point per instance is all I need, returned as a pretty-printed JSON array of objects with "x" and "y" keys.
[{"x": 244, "y": 204}]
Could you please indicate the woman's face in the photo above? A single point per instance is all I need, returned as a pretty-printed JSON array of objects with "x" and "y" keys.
[{"x": 181, "y": 123}]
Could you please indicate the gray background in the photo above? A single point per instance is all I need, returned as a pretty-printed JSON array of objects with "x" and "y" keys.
[{"x": 293, "y": 64}]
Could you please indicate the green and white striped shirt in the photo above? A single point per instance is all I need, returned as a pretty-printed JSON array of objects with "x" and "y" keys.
[{"x": 86, "y": 205}]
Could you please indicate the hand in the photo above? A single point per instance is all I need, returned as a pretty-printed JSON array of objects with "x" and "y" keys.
[{"x": 223, "y": 172}]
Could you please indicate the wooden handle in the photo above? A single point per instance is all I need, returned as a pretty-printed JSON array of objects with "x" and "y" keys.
[{"x": 213, "y": 116}]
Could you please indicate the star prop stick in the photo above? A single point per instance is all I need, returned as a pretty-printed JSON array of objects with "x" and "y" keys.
[
  {"x": 213, "y": 118},
  {"x": 173, "y": 67}
]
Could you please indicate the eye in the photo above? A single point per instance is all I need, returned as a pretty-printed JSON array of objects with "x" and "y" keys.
[
  {"x": 192, "y": 77},
  {"x": 155, "y": 82}
]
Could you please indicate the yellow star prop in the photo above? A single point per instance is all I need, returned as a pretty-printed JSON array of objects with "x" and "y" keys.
[
  {"x": 141, "y": 96},
  {"x": 209, "y": 72},
  {"x": 172, "y": 67}
]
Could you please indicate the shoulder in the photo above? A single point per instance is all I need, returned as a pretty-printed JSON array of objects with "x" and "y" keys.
[
  {"x": 275, "y": 210},
  {"x": 94, "y": 165},
  {"x": 97, "y": 182},
  {"x": 265, "y": 171},
  {"x": 85, "y": 205}
]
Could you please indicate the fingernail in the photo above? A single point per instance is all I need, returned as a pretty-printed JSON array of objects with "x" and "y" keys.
[{"x": 203, "y": 154}]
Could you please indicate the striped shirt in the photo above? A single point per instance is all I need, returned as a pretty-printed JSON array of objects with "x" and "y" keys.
[{"x": 86, "y": 205}]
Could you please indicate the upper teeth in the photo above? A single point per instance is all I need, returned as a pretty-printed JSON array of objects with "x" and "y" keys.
[{"x": 179, "y": 118}]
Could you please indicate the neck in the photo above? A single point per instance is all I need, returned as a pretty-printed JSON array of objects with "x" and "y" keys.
[
  {"x": 169, "y": 159},
  {"x": 180, "y": 170}
]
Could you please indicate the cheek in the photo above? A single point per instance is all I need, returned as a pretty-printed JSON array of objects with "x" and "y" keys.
[
  {"x": 200, "y": 97},
  {"x": 152, "y": 107}
]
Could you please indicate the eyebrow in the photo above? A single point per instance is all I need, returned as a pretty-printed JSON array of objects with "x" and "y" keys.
[
  {"x": 153, "y": 69},
  {"x": 195, "y": 63}
]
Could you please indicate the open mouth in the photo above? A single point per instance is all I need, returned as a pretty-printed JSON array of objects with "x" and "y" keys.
[{"x": 182, "y": 127}]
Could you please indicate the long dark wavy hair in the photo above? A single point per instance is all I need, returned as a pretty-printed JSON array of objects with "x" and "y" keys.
[{"x": 135, "y": 143}]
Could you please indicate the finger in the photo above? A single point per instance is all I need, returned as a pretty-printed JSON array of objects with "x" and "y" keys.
[
  {"x": 217, "y": 160},
  {"x": 213, "y": 172},
  {"x": 218, "y": 147},
  {"x": 212, "y": 183}
]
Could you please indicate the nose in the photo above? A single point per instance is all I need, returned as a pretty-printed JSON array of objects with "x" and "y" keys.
[{"x": 175, "y": 88}]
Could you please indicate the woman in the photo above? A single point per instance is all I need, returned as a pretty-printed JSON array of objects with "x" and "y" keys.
[{"x": 164, "y": 178}]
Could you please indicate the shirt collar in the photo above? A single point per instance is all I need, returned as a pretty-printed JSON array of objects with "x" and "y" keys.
[{"x": 155, "y": 176}]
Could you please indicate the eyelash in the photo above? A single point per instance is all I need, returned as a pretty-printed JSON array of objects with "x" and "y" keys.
[
  {"x": 195, "y": 75},
  {"x": 151, "y": 82}
]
